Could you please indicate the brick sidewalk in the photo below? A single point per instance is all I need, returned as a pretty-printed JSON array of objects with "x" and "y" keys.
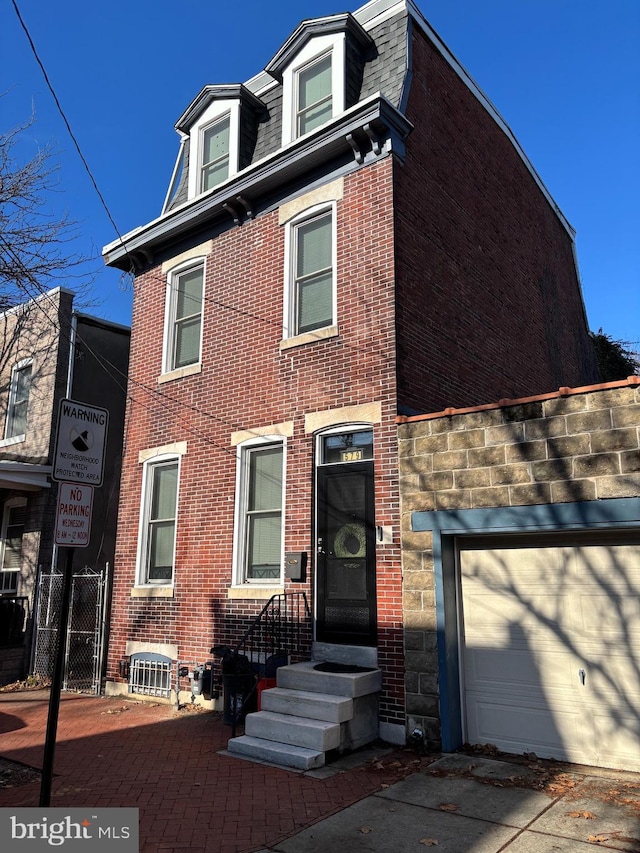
[{"x": 168, "y": 763}]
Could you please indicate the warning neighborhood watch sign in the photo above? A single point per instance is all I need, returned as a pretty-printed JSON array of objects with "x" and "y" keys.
[{"x": 80, "y": 443}]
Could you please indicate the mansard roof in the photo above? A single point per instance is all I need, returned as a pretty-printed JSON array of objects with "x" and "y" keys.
[
  {"x": 309, "y": 29},
  {"x": 214, "y": 92}
]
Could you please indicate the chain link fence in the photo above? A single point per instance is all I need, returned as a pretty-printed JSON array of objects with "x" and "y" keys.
[{"x": 85, "y": 630}]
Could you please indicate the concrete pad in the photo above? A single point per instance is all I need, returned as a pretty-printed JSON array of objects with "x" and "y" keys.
[
  {"x": 532, "y": 842},
  {"x": 616, "y": 825},
  {"x": 515, "y": 807},
  {"x": 376, "y": 825},
  {"x": 483, "y": 768}
]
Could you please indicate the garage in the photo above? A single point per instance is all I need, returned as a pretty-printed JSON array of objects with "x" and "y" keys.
[{"x": 549, "y": 645}]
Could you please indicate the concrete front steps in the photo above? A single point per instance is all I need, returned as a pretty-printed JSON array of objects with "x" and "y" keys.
[{"x": 309, "y": 714}]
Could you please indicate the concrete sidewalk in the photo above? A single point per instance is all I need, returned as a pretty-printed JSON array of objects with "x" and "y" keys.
[
  {"x": 192, "y": 795},
  {"x": 461, "y": 804}
]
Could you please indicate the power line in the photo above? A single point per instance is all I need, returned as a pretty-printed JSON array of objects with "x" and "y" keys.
[{"x": 67, "y": 125}]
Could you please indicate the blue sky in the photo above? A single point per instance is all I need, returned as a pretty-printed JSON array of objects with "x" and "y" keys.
[{"x": 564, "y": 74}]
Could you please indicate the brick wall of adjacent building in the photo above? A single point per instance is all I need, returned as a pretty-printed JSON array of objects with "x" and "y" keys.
[
  {"x": 581, "y": 445},
  {"x": 247, "y": 382},
  {"x": 39, "y": 331},
  {"x": 489, "y": 304}
]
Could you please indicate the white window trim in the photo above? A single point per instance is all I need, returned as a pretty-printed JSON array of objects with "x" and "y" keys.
[
  {"x": 314, "y": 49},
  {"x": 7, "y": 506},
  {"x": 26, "y": 362},
  {"x": 239, "y": 526},
  {"x": 213, "y": 113},
  {"x": 143, "y": 525},
  {"x": 291, "y": 336},
  {"x": 169, "y": 320}
]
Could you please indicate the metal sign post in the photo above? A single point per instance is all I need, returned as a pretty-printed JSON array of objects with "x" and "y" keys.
[
  {"x": 56, "y": 685},
  {"x": 79, "y": 466}
]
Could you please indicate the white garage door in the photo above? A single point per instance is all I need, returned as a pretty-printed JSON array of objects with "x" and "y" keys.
[{"x": 550, "y": 648}]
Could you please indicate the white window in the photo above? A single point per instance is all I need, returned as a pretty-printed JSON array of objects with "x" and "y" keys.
[
  {"x": 311, "y": 292},
  {"x": 213, "y": 146},
  {"x": 313, "y": 86},
  {"x": 183, "y": 324},
  {"x": 259, "y": 512},
  {"x": 158, "y": 517},
  {"x": 14, "y": 518},
  {"x": 16, "y": 424},
  {"x": 214, "y": 154},
  {"x": 314, "y": 95}
]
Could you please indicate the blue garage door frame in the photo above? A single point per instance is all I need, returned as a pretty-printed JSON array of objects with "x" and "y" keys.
[{"x": 447, "y": 526}]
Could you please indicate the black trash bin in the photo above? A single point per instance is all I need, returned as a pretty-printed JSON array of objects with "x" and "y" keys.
[{"x": 238, "y": 681}]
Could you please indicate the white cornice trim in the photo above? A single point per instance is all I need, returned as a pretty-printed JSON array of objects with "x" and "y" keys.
[{"x": 374, "y": 116}]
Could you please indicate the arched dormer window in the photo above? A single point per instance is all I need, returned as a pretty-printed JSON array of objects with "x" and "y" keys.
[
  {"x": 218, "y": 130},
  {"x": 315, "y": 66}
]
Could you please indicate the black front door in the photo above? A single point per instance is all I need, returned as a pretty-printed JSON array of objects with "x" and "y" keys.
[{"x": 346, "y": 569}]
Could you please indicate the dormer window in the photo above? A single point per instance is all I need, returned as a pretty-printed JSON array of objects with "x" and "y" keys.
[
  {"x": 319, "y": 67},
  {"x": 314, "y": 91},
  {"x": 218, "y": 131},
  {"x": 215, "y": 153}
]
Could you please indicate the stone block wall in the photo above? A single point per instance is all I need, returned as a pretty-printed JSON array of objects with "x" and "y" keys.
[{"x": 573, "y": 445}]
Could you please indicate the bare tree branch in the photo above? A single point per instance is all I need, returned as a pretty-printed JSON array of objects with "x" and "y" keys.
[{"x": 36, "y": 251}]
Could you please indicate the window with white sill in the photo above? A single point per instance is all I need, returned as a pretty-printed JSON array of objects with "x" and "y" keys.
[
  {"x": 183, "y": 317},
  {"x": 314, "y": 95},
  {"x": 259, "y": 512},
  {"x": 313, "y": 86},
  {"x": 213, "y": 146},
  {"x": 310, "y": 296},
  {"x": 16, "y": 423},
  {"x": 158, "y": 519}
]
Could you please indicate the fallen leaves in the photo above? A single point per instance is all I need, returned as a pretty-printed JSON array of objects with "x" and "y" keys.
[
  {"x": 583, "y": 814},
  {"x": 429, "y": 842},
  {"x": 448, "y": 807}
]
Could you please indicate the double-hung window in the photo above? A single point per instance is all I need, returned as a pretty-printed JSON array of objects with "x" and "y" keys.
[
  {"x": 259, "y": 513},
  {"x": 314, "y": 95},
  {"x": 158, "y": 521},
  {"x": 184, "y": 317},
  {"x": 16, "y": 424},
  {"x": 13, "y": 522},
  {"x": 214, "y": 167},
  {"x": 312, "y": 289}
]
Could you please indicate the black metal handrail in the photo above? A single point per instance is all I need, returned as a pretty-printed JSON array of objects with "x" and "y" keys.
[{"x": 274, "y": 636}]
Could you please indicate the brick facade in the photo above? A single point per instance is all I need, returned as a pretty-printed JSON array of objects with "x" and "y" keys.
[
  {"x": 446, "y": 247},
  {"x": 574, "y": 445},
  {"x": 482, "y": 255}
]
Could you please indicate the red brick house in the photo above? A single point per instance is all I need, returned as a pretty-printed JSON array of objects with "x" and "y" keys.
[{"x": 351, "y": 234}]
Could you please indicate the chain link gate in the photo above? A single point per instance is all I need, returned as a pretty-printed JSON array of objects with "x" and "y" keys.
[{"x": 85, "y": 629}]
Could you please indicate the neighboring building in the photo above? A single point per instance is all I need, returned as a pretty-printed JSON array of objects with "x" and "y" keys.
[
  {"x": 521, "y": 553},
  {"x": 51, "y": 352},
  {"x": 351, "y": 234}
]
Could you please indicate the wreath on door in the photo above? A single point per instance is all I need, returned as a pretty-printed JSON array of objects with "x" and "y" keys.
[{"x": 350, "y": 542}]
